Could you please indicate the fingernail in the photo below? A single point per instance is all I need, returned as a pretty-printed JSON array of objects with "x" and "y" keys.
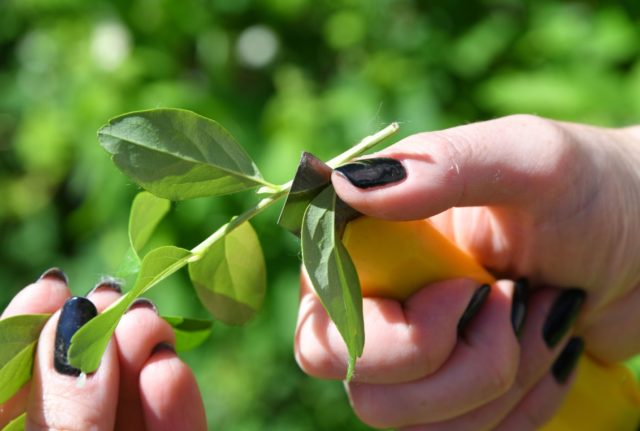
[
  {"x": 76, "y": 311},
  {"x": 163, "y": 347},
  {"x": 55, "y": 274},
  {"x": 107, "y": 283},
  {"x": 566, "y": 362},
  {"x": 519, "y": 304},
  {"x": 374, "y": 172},
  {"x": 478, "y": 298},
  {"x": 562, "y": 315},
  {"x": 143, "y": 303}
]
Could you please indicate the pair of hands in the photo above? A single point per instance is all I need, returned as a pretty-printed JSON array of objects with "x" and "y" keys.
[{"x": 556, "y": 202}]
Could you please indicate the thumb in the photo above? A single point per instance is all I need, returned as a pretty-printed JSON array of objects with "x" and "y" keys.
[{"x": 512, "y": 161}]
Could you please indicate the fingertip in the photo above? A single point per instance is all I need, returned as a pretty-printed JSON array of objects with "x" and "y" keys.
[
  {"x": 565, "y": 364},
  {"x": 140, "y": 330},
  {"x": 429, "y": 183},
  {"x": 55, "y": 274},
  {"x": 105, "y": 292},
  {"x": 44, "y": 296},
  {"x": 493, "y": 324},
  {"x": 139, "y": 333},
  {"x": 169, "y": 392}
]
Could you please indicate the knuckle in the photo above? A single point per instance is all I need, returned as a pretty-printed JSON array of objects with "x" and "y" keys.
[
  {"x": 529, "y": 121},
  {"x": 546, "y": 131}
]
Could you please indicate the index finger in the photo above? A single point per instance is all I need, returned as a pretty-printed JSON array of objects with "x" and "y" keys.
[{"x": 508, "y": 161}]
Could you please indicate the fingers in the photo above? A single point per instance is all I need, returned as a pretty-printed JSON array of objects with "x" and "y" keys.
[
  {"x": 620, "y": 318},
  {"x": 538, "y": 406},
  {"x": 61, "y": 400},
  {"x": 404, "y": 342},
  {"x": 169, "y": 393},
  {"x": 536, "y": 360},
  {"x": 512, "y": 160},
  {"x": 157, "y": 390},
  {"x": 46, "y": 295},
  {"x": 481, "y": 368}
]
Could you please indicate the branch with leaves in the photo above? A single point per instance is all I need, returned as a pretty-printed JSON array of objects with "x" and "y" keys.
[{"x": 176, "y": 155}]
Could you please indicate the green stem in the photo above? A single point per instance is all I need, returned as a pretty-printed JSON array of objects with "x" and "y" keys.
[
  {"x": 278, "y": 192},
  {"x": 265, "y": 203},
  {"x": 363, "y": 146},
  {"x": 357, "y": 150}
]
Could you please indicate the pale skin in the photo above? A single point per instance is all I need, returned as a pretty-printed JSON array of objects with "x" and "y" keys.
[
  {"x": 134, "y": 388},
  {"x": 556, "y": 202}
]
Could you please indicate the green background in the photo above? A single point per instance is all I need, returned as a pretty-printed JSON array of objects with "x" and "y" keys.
[{"x": 282, "y": 76}]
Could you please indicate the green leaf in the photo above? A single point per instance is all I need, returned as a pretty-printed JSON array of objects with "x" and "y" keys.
[
  {"x": 90, "y": 342},
  {"x": 18, "y": 338},
  {"x": 18, "y": 424},
  {"x": 190, "y": 333},
  {"x": 158, "y": 264},
  {"x": 147, "y": 211},
  {"x": 332, "y": 272},
  {"x": 177, "y": 154},
  {"x": 130, "y": 266},
  {"x": 230, "y": 278},
  {"x": 312, "y": 176}
]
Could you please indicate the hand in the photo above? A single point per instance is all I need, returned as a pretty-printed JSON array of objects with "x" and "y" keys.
[
  {"x": 141, "y": 383},
  {"x": 558, "y": 203}
]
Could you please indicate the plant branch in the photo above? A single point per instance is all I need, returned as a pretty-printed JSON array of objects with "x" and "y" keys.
[
  {"x": 223, "y": 230},
  {"x": 278, "y": 192},
  {"x": 365, "y": 145}
]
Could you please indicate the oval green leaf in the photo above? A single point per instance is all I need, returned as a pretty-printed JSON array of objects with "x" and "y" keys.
[
  {"x": 18, "y": 338},
  {"x": 230, "y": 278},
  {"x": 190, "y": 333},
  {"x": 332, "y": 272},
  {"x": 147, "y": 211},
  {"x": 177, "y": 154},
  {"x": 90, "y": 342}
]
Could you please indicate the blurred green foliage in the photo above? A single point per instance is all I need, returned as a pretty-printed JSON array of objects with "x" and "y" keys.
[{"x": 283, "y": 76}]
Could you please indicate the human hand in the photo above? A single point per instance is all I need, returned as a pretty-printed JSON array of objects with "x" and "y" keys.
[
  {"x": 141, "y": 383},
  {"x": 555, "y": 202}
]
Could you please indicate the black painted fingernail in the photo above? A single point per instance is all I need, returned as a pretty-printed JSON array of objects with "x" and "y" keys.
[
  {"x": 567, "y": 360},
  {"x": 519, "y": 304},
  {"x": 163, "y": 347},
  {"x": 374, "y": 172},
  {"x": 76, "y": 311},
  {"x": 562, "y": 315},
  {"x": 55, "y": 274},
  {"x": 107, "y": 283},
  {"x": 143, "y": 303},
  {"x": 478, "y": 298}
]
